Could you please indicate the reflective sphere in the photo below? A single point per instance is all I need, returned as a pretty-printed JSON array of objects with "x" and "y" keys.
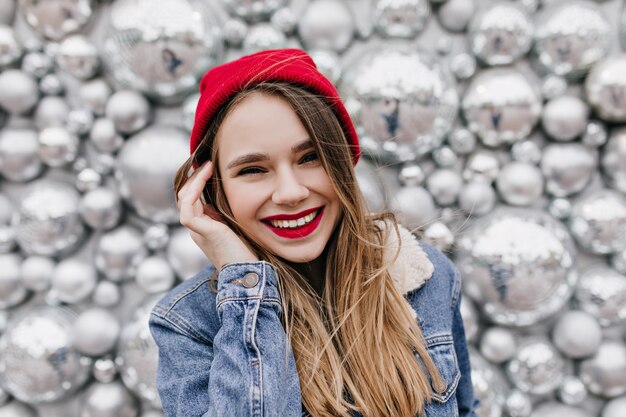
[
  {"x": 577, "y": 334},
  {"x": 605, "y": 372},
  {"x": 553, "y": 86},
  {"x": 477, "y": 198},
  {"x": 595, "y": 134},
  {"x": 401, "y": 18},
  {"x": 601, "y": 292},
  {"x": 51, "y": 85},
  {"x": 42, "y": 338},
  {"x": 555, "y": 409},
  {"x": 129, "y": 110},
  {"x": 414, "y": 207},
  {"x": 189, "y": 111},
  {"x": 567, "y": 168},
  {"x": 145, "y": 167},
  {"x": 10, "y": 48},
  {"x": 96, "y": 331},
  {"x": 598, "y": 222},
  {"x": 104, "y": 369},
  {"x": 501, "y": 106},
  {"x": 520, "y": 184},
  {"x": 606, "y": 88},
  {"x": 109, "y": 400},
  {"x": 48, "y": 222},
  {"x": 285, "y": 20},
  {"x": 16, "y": 409},
  {"x": 73, "y": 280},
  {"x": 184, "y": 255},
  {"x": 252, "y": 10},
  {"x": 155, "y": 275},
  {"x": 565, "y": 117},
  {"x": 482, "y": 165},
  {"x": 106, "y": 294},
  {"x": 161, "y": 51},
  {"x": 263, "y": 36},
  {"x": 54, "y": 19},
  {"x": 463, "y": 66},
  {"x": 156, "y": 236},
  {"x": 571, "y": 37},
  {"x": 137, "y": 355},
  {"x": 235, "y": 31},
  {"x": 438, "y": 235},
  {"x": 470, "y": 319},
  {"x": 37, "y": 64},
  {"x": 18, "y": 91},
  {"x": 18, "y": 154},
  {"x": 118, "y": 253},
  {"x": 490, "y": 385},
  {"x": 461, "y": 140},
  {"x": 405, "y": 97},
  {"x": 454, "y": 15},
  {"x": 572, "y": 391},
  {"x": 7, "y": 11},
  {"x": 518, "y": 404},
  {"x": 614, "y": 408},
  {"x": 79, "y": 57},
  {"x": 51, "y": 111},
  {"x": 370, "y": 184},
  {"x": 614, "y": 160},
  {"x": 57, "y": 146},
  {"x": 526, "y": 151},
  {"x": 101, "y": 208},
  {"x": 499, "y": 257},
  {"x": 327, "y": 63},
  {"x": 501, "y": 33},
  {"x": 36, "y": 272},
  {"x": 326, "y": 24},
  {"x": 444, "y": 185},
  {"x": 94, "y": 95},
  {"x": 498, "y": 344},
  {"x": 536, "y": 368},
  {"x": 12, "y": 291}
]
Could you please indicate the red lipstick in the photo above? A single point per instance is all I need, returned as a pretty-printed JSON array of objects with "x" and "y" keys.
[
  {"x": 291, "y": 216},
  {"x": 296, "y": 232}
]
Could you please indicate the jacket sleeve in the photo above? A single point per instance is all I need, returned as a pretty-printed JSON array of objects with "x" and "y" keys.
[
  {"x": 466, "y": 400},
  {"x": 246, "y": 370}
]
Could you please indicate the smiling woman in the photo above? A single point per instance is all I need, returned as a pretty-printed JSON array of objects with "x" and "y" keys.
[{"x": 311, "y": 303}]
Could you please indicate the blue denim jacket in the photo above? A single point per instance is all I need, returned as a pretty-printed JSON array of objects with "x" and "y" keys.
[{"x": 224, "y": 354}]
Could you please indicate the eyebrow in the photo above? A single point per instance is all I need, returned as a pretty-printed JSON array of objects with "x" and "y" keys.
[{"x": 257, "y": 157}]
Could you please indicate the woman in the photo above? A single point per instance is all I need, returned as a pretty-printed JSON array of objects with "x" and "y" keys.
[{"x": 311, "y": 305}]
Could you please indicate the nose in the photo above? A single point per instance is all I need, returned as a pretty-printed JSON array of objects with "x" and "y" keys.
[{"x": 289, "y": 188}]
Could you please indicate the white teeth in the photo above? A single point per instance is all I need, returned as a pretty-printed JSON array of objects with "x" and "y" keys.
[{"x": 290, "y": 224}]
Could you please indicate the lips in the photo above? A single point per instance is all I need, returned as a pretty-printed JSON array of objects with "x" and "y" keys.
[
  {"x": 291, "y": 216},
  {"x": 296, "y": 232}
]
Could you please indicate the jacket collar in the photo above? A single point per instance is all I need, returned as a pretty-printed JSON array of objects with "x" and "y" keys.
[{"x": 412, "y": 268}]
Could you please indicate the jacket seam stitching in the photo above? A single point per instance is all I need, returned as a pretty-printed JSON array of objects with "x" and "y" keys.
[
  {"x": 183, "y": 326},
  {"x": 184, "y": 294}
]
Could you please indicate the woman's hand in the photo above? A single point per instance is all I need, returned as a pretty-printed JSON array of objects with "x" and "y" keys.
[{"x": 218, "y": 242}]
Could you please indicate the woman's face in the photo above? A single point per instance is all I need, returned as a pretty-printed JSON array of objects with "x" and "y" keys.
[{"x": 276, "y": 187}]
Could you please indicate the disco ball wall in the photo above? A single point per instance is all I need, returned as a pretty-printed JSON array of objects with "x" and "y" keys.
[{"x": 495, "y": 130}]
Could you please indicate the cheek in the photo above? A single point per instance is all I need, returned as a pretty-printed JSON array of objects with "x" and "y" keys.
[{"x": 243, "y": 201}]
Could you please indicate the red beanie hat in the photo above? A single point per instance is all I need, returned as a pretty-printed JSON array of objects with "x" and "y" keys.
[{"x": 292, "y": 65}]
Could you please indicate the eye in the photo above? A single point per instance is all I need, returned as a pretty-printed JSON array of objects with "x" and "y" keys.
[
  {"x": 250, "y": 171},
  {"x": 310, "y": 157}
]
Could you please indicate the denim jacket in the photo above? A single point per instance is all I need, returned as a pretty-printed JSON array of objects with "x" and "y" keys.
[{"x": 223, "y": 354}]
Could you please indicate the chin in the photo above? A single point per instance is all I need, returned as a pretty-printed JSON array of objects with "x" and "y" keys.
[{"x": 299, "y": 256}]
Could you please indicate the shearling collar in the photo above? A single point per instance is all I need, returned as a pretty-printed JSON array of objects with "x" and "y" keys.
[{"x": 412, "y": 268}]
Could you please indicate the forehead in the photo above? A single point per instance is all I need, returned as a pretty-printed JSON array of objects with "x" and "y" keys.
[{"x": 259, "y": 123}]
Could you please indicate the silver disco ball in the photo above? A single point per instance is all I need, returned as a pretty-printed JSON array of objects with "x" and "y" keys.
[
  {"x": 571, "y": 37},
  {"x": 138, "y": 355},
  {"x": 606, "y": 88},
  {"x": 404, "y": 96},
  {"x": 601, "y": 292},
  {"x": 145, "y": 167},
  {"x": 161, "y": 51},
  {"x": 490, "y": 386},
  {"x": 54, "y": 19},
  {"x": 598, "y": 222},
  {"x": 501, "y": 105},
  {"x": 614, "y": 160},
  {"x": 501, "y": 34},
  {"x": 252, "y": 10},
  {"x": 518, "y": 265},
  {"x": 38, "y": 361},
  {"x": 537, "y": 367},
  {"x": 48, "y": 220}
]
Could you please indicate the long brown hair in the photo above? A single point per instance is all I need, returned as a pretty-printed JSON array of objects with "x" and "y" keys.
[{"x": 359, "y": 340}]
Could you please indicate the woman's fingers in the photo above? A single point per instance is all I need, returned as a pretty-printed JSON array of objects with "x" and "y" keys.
[
  {"x": 197, "y": 181},
  {"x": 192, "y": 210}
]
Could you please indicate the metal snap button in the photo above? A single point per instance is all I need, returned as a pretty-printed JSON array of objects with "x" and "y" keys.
[{"x": 250, "y": 280}]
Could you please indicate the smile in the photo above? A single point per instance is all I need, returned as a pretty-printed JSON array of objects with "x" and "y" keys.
[{"x": 295, "y": 228}]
